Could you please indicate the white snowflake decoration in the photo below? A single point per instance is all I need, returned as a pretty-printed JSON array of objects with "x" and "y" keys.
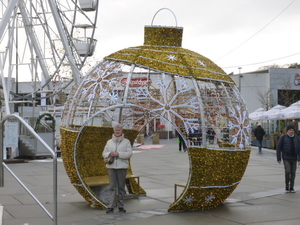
[
  {"x": 98, "y": 83},
  {"x": 113, "y": 98},
  {"x": 189, "y": 199},
  {"x": 172, "y": 57},
  {"x": 201, "y": 63},
  {"x": 209, "y": 198},
  {"x": 239, "y": 123},
  {"x": 169, "y": 103}
]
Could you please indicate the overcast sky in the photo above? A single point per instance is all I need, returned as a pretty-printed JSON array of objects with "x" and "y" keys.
[{"x": 232, "y": 33}]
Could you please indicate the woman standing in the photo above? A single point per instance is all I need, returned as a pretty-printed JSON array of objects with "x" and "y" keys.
[{"x": 120, "y": 148}]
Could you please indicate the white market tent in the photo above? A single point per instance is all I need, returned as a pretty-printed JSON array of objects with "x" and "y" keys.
[
  {"x": 276, "y": 113},
  {"x": 293, "y": 111},
  {"x": 257, "y": 115}
]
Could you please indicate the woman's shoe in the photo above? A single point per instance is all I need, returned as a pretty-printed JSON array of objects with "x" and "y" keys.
[
  {"x": 109, "y": 210},
  {"x": 122, "y": 210}
]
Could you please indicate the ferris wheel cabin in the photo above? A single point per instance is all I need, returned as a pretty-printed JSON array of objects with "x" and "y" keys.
[{"x": 88, "y": 5}]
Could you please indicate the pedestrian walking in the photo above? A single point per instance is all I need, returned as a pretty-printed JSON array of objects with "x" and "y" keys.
[
  {"x": 259, "y": 133},
  {"x": 288, "y": 149},
  {"x": 182, "y": 145},
  {"x": 181, "y": 142},
  {"x": 210, "y": 135}
]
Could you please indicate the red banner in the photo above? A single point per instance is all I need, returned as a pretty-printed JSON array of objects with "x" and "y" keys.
[{"x": 137, "y": 82}]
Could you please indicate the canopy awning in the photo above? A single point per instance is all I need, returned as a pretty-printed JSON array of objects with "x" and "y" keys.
[
  {"x": 293, "y": 111},
  {"x": 275, "y": 113},
  {"x": 258, "y": 114}
]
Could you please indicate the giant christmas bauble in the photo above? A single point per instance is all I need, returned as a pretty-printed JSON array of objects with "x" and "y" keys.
[{"x": 159, "y": 85}]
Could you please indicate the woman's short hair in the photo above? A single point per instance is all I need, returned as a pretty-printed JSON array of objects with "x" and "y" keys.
[{"x": 118, "y": 125}]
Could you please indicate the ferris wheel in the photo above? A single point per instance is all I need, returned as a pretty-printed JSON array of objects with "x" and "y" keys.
[{"x": 43, "y": 39}]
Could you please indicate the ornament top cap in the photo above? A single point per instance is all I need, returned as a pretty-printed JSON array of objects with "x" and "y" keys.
[{"x": 163, "y": 36}]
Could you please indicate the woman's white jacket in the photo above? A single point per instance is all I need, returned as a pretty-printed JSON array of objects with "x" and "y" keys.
[{"x": 123, "y": 147}]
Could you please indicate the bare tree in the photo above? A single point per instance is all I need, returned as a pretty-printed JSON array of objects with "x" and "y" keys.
[
  {"x": 294, "y": 65},
  {"x": 266, "y": 67},
  {"x": 286, "y": 96},
  {"x": 288, "y": 65},
  {"x": 266, "y": 99}
]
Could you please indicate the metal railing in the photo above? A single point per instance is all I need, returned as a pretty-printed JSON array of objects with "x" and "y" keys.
[
  {"x": 1, "y": 214},
  {"x": 34, "y": 134}
]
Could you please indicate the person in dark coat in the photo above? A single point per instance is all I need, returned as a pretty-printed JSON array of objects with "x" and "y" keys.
[
  {"x": 288, "y": 149},
  {"x": 211, "y": 135},
  {"x": 259, "y": 133}
]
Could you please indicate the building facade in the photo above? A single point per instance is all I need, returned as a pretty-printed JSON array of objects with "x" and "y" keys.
[{"x": 267, "y": 88}]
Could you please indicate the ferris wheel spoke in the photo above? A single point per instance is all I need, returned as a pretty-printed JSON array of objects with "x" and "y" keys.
[
  {"x": 44, "y": 39},
  {"x": 34, "y": 43},
  {"x": 5, "y": 19}
]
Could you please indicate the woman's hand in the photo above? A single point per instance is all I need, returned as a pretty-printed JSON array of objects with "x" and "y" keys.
[{"x": 114, "y": 154}]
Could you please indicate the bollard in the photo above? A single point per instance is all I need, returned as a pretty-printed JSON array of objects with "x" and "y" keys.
[
  {"x": 155, "y": 139},
  {"x": 141, "y": 139}
]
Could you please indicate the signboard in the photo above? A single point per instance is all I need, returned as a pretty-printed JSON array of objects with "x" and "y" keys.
[
  {"x": 11, "y": 134},
  {"x": 137, "y": 82},
  {"x": 297, "y": 79}
]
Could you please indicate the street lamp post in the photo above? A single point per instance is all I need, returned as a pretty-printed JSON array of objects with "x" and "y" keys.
[{"x": 240, "y": 79}]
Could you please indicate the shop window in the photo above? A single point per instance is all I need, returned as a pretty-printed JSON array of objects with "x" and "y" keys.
[{"x": 288, "y": 97}]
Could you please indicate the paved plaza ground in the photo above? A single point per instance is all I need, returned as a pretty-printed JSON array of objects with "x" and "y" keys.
[{"x": 260, "y": 198}]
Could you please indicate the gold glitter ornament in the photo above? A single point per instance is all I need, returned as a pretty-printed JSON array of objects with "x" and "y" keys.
[
  {"x": 163, "y": 52},
  {"x": 161, "y": 83},
  {"x": 163, "y": 36}
]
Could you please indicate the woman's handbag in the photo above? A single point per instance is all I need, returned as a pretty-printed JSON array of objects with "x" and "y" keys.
[{"x": 109, "y": 160}]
